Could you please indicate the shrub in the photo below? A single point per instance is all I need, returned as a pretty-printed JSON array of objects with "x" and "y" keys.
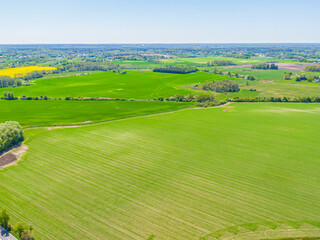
[
  {"x": 221, "y": 86},
  {"x": 11, "y": 133}
]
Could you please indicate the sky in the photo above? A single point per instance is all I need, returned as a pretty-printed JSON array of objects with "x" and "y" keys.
[{"x": 159, "y": 21}]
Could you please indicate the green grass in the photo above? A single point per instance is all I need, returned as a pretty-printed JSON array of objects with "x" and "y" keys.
[
  {"x": 181, "y": 175},
  {"x": 44, "y": 113},
  {"x": 275, "y": 75},
  {"x": 138, "y": 85},
  {"x": 238, "y": 61}
]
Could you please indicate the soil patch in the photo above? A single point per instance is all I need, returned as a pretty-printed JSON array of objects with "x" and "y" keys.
[
  {"x": 291, "y": 66},
  {"x": 57, "y": 127},
  {"x": 7, "y": 159}
]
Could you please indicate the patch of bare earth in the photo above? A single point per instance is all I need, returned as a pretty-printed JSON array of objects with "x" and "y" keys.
[
  {"x": 291, "y": 66},
  {"x": 58, "y": 127},
  {"x": 267, "y": 81},
  {"x": 13, "y": 155}
]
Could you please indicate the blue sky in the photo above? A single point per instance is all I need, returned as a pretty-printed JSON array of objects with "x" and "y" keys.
[{"x": 155, "y": 21}]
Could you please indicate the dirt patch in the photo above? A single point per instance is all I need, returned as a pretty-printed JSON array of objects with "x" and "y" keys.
[
  {"x": 87, "y": 122},
  {"x": 58, "y": 127},
  {"x": 268, "y": 81},
  {"x": 291, "y": 66},
  {"x": 7, "y": 159}
]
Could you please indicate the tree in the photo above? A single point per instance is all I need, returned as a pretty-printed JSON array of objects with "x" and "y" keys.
[
  {"x": 27, "y": 235},
  {"x": 21, "y": 227},
  {"x": 4, "y": 218}
]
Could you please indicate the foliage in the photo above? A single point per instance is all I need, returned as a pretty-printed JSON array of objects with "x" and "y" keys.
[
  {"x": 175, "y": 69},
  {"x": 24, "y": 231},
  {"x": 4, "y": 216},
  {"x": 11, "y": 133},
  {"x": 276, "y": 99},
  {"x": 220, "y": 63},
  {"x": 221, "y": 86},
  {"x": 287, "y": 76},
  {"x": 265, "y": 66},
  {"x": 315, "y": 68}
]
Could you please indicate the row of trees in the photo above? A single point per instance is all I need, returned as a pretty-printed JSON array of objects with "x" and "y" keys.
[
  {"x": 11, "y": 134},
  {"x": 6, "y": 81},
  {"x": 203, "y": 100},
  {"x": 221, "y": 86},
  {"x": 23, "y": 230},
  {"x": 220, "y": 63},
  {"x": 265, "y": 66},
  {"x": 276, "y": 99},
  {"x": 88, "y": 66},
  {"x": 175, "y": 69},
  {"x": 315, "y": 68}
]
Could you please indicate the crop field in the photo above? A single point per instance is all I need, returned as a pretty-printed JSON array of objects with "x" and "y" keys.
[
  {"x": 138, "y": 85},
  {"x": 276, "y": 75},
  {"x": 22, "y": 71},
  {"x": 47, "y": 113},
  {"x": 242, "y": 171}
]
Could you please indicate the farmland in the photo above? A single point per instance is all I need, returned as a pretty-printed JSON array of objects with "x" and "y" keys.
[
  {"x": 238, "y": 172},
  {"x": 48, "y": 113},
  {"x": 22, "y": 71},
  {"x": 115, "y": 149},
  {"x": 238, "y": 61},
  {"x": 138, "y": 85}
]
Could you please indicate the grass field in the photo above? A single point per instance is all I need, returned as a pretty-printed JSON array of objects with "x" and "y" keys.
[
  {"x": 22, "y": 71},
  {"x": 238, "y": 61},
  {"x": 138, "y": 85},
  {"x": 44, "y": 113},
  {"x": 211, "y": 173}
]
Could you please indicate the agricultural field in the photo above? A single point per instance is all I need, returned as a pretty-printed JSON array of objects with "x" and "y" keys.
[
  {"x": 232, "y": 172},
  {"x": 49, "y": 113},
  {"x": 238, "y": 61},
  {"x": 137, "y": 85},
  {"x": 22, "y": 71}
]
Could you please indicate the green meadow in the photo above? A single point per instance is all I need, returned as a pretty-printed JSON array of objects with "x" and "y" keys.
[
  {"x": 137, "y": 85},
  {"x": 48, "y": 113},
  {"x": 236, "y": 172},
  {"x": 237, "y": 61}
]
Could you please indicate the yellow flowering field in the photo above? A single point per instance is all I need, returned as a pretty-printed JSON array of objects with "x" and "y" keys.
[{"x": 22, "y": 71}]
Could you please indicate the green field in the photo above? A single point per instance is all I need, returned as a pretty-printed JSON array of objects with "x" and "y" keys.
[
  {"x": 44, "y": 113},
  {"x": 240, "y": 169},
  {"x": 137, "y": 85},
  {"x": 238, "y": 61}
]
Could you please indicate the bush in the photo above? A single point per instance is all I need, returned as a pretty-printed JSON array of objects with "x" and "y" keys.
[
  {"x": 221, "y": 86},
  {"x": 173, "y": 69},
  {"x": 11, "y": 133},
  {"x": 312, "y": 69}
]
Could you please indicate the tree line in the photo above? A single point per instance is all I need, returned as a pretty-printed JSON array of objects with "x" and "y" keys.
[
  {"x": 202, "y": 100},
  {"x": 221, "y": 86},
  {"x": 6, "y": 81},
  {"x": 265, "y": 66},
  {"x": 175, "y": 69},
  {"x": 220, "y": 63},
  {"x": 11, "y": 133},
  {"x": 23, "y": 230},
  {"x": 312, "y": 68},
  {"x": 276, "y": 99}
]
